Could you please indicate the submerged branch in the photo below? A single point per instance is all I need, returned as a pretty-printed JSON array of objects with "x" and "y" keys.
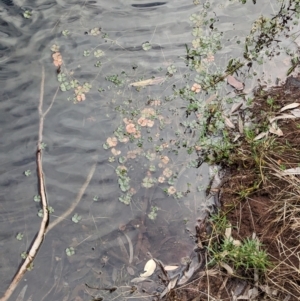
[{"x": 40, "y": 236}]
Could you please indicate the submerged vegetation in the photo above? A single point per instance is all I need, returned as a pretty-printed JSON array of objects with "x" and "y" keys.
[{"x": 204, "y": 116}]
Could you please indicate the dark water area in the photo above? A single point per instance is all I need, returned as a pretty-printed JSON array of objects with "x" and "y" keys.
[{"x": 75, "y": 133}]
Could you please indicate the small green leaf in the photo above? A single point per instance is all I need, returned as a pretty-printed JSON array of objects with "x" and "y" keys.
[
  {"x": 41, "y": 213},
  {"x": 98, "y": 64},
  {"x": 65, "y": 86},
  {"x": 30, "y": 267},
  {"x": 95, "y": 31},
  {"x": 43, "y": 145},
  {"x": 74, "y": 83},
  {"x": 24, "y": 255},
  {"x": 70, "y": 251},
  {"x": 98, "y": 53},
  {"x": 50, "y": 209},
  {"x": 19, "y": 236},
  {"x": 172, "y": 69},
  {"x": 122, "y": 160},
  {"x": 125, "y": 198},
  {"x": 27, "y": 14},
  {"x": 152, "y": 168},
  {"x": 61, "y": 77},
  {"x": 148, "y": 182},
  {"x": 86, "y": 53},
  {"x": 146, "y": 46},
  {"x": 65, "y": 32},
  {"x": 37, "y": 198},
  {"x": 95, "y": 198},
  {"x": 76, "y": 218},
  {"x": 27, "y": 173},
  {"x": 54, "y": 48}
]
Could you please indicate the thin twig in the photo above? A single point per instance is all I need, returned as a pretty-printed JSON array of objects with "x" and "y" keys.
[
  {"x": 40, "y": 236},
  {"x": 78, "y": 198}
]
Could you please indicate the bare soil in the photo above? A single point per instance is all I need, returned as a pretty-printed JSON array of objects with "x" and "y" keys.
[{"x": 259, "y": 202}]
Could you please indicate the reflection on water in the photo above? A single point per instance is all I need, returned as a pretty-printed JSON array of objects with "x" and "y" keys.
[{"x": 112, "y": 240}]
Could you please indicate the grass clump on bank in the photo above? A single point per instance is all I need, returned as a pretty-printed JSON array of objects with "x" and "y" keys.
[{"x": 260, "y": 204}]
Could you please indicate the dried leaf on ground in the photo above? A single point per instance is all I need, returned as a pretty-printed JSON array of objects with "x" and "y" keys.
[
  {"x": 283, "y": 116},
  {"x": 296, "y": 112},
  {"x": 241, "y": 125},
  {"x": 149, "y": 268},
  {"x": 290, "y": 106},
  {"x": 228, "y": 232},
  {"x": 235, "y": 107},
  {"x": 274, "y": 129},
  {"x": 235, "y": 83},
  {"x": 170, "y": 286},
  {"x": 227, "y": 268},
  {"x": 229, "y": 123},
  {"x": 291, "y": 171},
  {"x": 260, "y": 136}
]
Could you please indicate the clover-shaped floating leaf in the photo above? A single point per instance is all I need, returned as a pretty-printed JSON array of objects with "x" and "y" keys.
[
  {"x": 125, "y": 198},
  {"x": 153, "y": 213},
  {"x": 172, "y": 69},
  {"x": 152, "y": 168},
  {"x": 50, "y": 209},
  {"x": 27, "y": 173},
  {"x": 65, "y": 32},
  {"x": 124, "y": 183},
  {"x": 43, "y": 145},
  {"x": 195, "y": 19},
  {"x": 86, "y": 87},
  {"x": 19, "y": 236},
  {"x": 95, "y": 198},
  {"x": 95, "y": 31},
  {"x": 54, "y": 48},
  {"x": 111, "y": 159},
  {"x": 122, "y": 160},
  {"x": 98, "y": 64},
  {"x": 105, "y": 146},
  {"x": 37, "y": 198},
  {"x": 197, "y": 32},
  {"x": 27, "y": 14},
  {"x": 30, "y": 267},
  {"x": 61, "y": 77},
  {"x": 70, "y": 251},
  {"x": 74, "y": 83},
  {"x": 65, "y": 86},
  {"x": 98, "y": 53},
  {"x": 86, "y": 52},
  {"x": 148, "y": 182},
  {"x": 24, "y": 255},
  {"x": 41, "y": 213},
  {"x": 146, "y": 46},
  {"x": 76, "y": 218}
]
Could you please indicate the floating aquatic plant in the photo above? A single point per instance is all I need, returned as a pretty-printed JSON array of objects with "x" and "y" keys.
[
  {"x": 37, "y": 198},
  {"x": 146, "y": 46},
  {"x": 70, "y": 251},
  {"x": 27, "y": 14},
  {"x": 19, "y": 236},
  {"x": 27, "y": 173},
  {"x": 76, "y": 218}
]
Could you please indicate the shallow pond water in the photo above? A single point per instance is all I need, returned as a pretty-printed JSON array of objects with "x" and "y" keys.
[{"x": 74, "y": 135}]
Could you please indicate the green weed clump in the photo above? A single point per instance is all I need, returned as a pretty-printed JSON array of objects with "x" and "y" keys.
[{"x": 247, "y": 255}]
